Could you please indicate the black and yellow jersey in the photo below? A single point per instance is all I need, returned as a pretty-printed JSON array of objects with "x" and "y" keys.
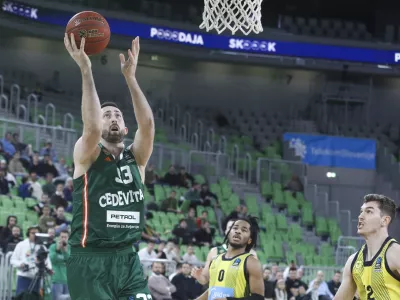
[
  {"x": 229, "y": 277},
  {"x": 373, "y": 278}
]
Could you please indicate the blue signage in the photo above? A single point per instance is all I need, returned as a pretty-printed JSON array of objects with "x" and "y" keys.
[
  {"x": 332, "y": 151},
  {"x": 214, "y": 41}
]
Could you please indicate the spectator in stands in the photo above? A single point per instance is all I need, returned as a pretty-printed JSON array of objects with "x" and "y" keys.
[
  {"x": 4, "y": 185},
  {"x": 294, "y": 185},
  {"x": 6, "y": 231},
  {"x": 204, "y": 236},
  {"x": 170, "y": 252},
  {"x": 160, "y": 251},
  {"x": 193, "y": 195},
  {"x": 190, "y": 256},
  {"x": 49, "y": 188},
  {"x": 334, "y": 284},
  {"x": 280, "y": 290},
  {"x": 186, "y": 286},
  {"x": 9, "y": 177},
  {"x": 239, "y": 212},
  {"x": 8, "y": 146},
  {"x": 320, "y": 286},
  {"x": 207, "y": 197},
  {"x": 61, "y": 221},
  {"x": 13, "y": 239},
  {"x": 148, "y": 233},
  {"x": 58, "y": 197},
  {"x": 15, "y": 165},
  {"x": 292, "y": 283},
  {"x": 48, "y": 150},
  {"x": 39, "y": 206},
  {"x": 182, "y": 233},
  {"x": 36, "y": 188},
  {"x": 184, "y": 178},
  {"x": 62, "y": 169},
  {"x": 269, "y": 292},
  {"x": 2, "y": 153},
  {"x": 68, "y": 189},
  {"x": 147, "y": 254},
  {"x": 274, "y": 270},
  {"x": 191, "y": 220},
  {"x": 300, "y": 273},
  {"x": 59, "y": 255},
  {"x": 47, "y": 166},
  {"x": 203, "y": 218},
  {"x": 170, "y": 204},
  {"x": 150, "y": 177},
  {"x": 52, "y": 236},
  {"x": 303, "y": 294},
  {"x": 171, "y": 178},
  {"x": 46, "y": 221},
  {"x": 278, "y": 276},
  {"x": 21, "y": 147},
  {"x": 160, "y": 287},
  {"x": 178, "y": 270},
  {"x": 24, "y": 190},
  {"x": 23, "y": 259}
]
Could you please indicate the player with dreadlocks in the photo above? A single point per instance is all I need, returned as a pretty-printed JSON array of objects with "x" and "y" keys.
[
  {"x": 237, "y": 274},
  {"x": 201, "y": 274}
]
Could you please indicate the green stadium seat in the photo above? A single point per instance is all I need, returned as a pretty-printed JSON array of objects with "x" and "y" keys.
[
  {"x": 321, "y": 226},
  {"x": 266, "y": 189},
  {"x": 159, "y": 193},
  {"x": 307, "y": 218},
  {"x": 281, "y": 223}
]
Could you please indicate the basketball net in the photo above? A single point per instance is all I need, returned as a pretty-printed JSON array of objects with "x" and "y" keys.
[{"x": 234, "y": 15}]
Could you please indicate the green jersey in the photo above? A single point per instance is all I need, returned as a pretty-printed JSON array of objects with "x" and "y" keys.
[
  {"x": 222, "y": 249},
  {"x": 108, "y": 203}
]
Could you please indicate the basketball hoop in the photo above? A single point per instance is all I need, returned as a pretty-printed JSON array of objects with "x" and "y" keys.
[{"x": 234, "y": 15}]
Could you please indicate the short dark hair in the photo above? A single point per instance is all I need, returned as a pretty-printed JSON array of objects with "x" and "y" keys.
[
  {"x": 386, "y": 205},
  {"x": 293, "y": 269},
  {"x": 337, "y": 272},
  {"x": 64, "y": 231},
  {"x": 109, "y": 104}
]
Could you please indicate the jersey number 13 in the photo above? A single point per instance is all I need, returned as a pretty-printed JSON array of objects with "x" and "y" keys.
[{"x": 124, "y": 175}]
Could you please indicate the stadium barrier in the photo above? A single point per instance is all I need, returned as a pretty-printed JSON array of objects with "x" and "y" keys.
[
  {"x": 279, "y": 170},
  {"x": 6, "y": 276},
  {"x": 347, "y": 245},
  {"x": 63, "y": 139},
  {"x": 209, "y": 164}
]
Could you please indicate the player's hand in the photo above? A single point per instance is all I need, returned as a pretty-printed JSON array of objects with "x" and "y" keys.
[
  {"x": 128, "y": 67},
  {"x": 78, "y": 55},
  {"x": 196, "y": 272}
]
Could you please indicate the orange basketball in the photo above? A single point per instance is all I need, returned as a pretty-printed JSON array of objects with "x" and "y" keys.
[{"x": 93, "y": 27}]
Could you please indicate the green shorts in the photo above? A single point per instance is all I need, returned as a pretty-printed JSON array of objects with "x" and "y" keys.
[{"x": 106, "y": 274}]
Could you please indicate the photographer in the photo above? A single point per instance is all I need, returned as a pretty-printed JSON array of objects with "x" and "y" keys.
[
  {"x": 25, "y": 258},
  {"x": 59, "y": 254}
]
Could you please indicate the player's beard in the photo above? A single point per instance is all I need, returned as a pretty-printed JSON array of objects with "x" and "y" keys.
[
  {"x": 113, "y": 137},
  {"x": 236, "y": 245}
]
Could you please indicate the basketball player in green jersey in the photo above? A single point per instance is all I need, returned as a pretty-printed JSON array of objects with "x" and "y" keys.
[
  {"x": 202, "y": 274},
  {"x": 374, "y": 271},
  {"x": 108, "y": 202}
]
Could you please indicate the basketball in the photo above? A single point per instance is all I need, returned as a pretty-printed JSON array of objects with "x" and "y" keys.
[{"x": 93, "y": 27}]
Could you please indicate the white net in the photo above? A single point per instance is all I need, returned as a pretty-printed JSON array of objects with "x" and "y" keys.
[{"x": 243, "y": 15}]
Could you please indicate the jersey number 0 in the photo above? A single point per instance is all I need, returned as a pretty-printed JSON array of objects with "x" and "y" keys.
[{"x": 124, "y": 175}]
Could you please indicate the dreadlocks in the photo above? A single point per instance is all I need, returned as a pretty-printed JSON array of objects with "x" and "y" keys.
[{"x": 254, "y": 230}]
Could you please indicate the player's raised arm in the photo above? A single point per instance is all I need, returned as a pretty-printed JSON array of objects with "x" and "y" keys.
[
  {"x": 91, "y": 110},
  {"x": 142, "y": 146},
  {"x": 348, "y": 287}
]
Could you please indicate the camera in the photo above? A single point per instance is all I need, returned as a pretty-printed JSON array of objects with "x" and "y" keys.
[{"x": 42, "y": 254}]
